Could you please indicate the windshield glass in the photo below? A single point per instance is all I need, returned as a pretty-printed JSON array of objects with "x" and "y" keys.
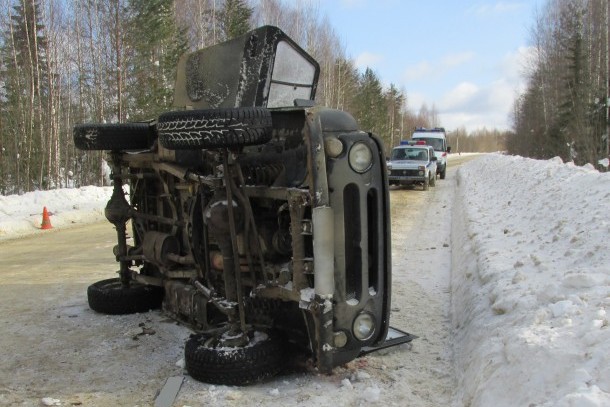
[
  {"x": 436, "y": 143},
  {"x": 410, "y": 153}
]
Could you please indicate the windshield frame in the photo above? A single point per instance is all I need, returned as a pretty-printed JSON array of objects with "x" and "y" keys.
[
  {"x": 436, "y": 142},
  {"x": 410, "y": 153}
]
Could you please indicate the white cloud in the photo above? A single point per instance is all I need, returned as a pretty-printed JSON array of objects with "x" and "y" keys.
[
  {"x": 434, "y": 70},
  {"x": 472, "y": 121},
  {"x": 368, "y": 59},
  {"x": 470, "y": 105},
  {"x": 501, "y": 96},
  {"x": 453, "y": 121},
  {"x": 415, "y": 100},
  {"x": 460, "y": 97},
  {"x": 419, "y": 71},
  {"x": 475, "y": 105},
  {"x": 515, "y": 66}
]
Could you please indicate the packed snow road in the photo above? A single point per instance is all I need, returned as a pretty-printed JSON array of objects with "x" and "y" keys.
[{"x": 56, "y": 351}]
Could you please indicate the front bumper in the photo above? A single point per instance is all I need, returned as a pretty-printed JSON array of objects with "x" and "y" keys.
[
  {"x": 407, "y": 176},
  {"x": 407, "y": 179}
]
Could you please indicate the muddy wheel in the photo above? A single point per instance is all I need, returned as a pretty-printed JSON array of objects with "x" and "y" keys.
[
  {"x": 209, "y": 362},
  {"x": 426, "y": 184},
  {"x": 214, "y": 128},
  {"x": 111, "y": 297},
  {"x": 433, "y": 180},
  {"x": 116, "y": 136}
]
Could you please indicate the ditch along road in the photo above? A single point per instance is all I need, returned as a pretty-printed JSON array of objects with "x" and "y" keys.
[{"x": 56, "y": 351}]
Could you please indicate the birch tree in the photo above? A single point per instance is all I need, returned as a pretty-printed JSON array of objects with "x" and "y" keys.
[
  {"x": 24, "y": 60},
  {"x": 562, "y": 111}
]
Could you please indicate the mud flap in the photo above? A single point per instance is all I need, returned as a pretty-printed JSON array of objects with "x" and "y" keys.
[{"x": 394, "y": 337}]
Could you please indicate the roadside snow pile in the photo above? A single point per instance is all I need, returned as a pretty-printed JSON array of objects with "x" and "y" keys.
[
  {"x": 21, "y": 215},
  {"x": 531, "y": 283}
]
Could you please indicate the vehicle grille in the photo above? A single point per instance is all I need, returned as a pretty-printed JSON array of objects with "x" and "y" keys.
[
  {"x": 403, "y": 173},
  {"x": 356, "y": 233},
  {"x": 353, "y": 235}
]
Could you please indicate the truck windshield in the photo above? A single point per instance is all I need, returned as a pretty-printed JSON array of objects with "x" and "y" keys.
[
  {"x": 436, "y": 143},
  {"x": 417, "y": 154}
]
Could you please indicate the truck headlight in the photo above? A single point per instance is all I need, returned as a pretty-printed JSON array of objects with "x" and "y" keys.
[
  {"x": 333, "y": 147},
  {"x": 364, "y": 326},
  {"x": 360, "y": 157},
  {"x": 422, "y": 170}
]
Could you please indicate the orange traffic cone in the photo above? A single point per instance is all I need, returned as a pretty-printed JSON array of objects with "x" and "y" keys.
[{"x": 46, "y": 222}]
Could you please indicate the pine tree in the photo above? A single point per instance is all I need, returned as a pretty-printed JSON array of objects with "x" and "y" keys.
[
  {"x": 371, "y": 110},
  {"x": 28, "y": 39},
  {"x": 156, "y": 45},
  {"x": 235, "y": 18}
]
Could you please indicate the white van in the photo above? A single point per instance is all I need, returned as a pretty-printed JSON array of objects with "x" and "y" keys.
[{"x": 436, "y": 138}]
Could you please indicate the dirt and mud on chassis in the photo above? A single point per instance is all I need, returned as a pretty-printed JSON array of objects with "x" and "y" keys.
[{"x": 258, "y": 220}]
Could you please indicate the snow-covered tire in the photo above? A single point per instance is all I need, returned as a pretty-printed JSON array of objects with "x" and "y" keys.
[
  {"x": 111, "y": 297},
  {"x": 115, "y": 136},
  {"x": 208, "y": 362},
  {"x": 214, "y": 128}
]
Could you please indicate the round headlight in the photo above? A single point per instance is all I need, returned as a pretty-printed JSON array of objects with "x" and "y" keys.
[
  {"x": 360, "y": 157},
  {"x": 333, "y": 147},
  {"x": 364, "y": 326}
]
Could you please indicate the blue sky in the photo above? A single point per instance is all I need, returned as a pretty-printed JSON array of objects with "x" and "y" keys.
[{"x": 465, "y": 57}]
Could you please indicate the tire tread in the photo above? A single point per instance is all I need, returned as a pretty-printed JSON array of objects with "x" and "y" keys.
[
  {"x": 243, "y": 365},
  {"x": 214, "y": 128},
  {"x": 109, "y": 297}
]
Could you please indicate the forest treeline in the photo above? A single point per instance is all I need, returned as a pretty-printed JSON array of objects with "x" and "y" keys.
[
  {"x": 73, "y": 61},
  {"x": 64, "y": 62},
  {"x": 563, "y": 110}
]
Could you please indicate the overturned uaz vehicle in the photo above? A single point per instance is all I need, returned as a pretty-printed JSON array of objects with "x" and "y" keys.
[{"x": 258, "y": 220}]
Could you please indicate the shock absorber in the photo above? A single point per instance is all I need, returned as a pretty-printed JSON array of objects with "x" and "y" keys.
[{"x": 216, "y": 216}]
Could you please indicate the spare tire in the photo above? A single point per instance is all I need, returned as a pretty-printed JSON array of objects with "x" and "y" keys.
[
  {"x": 112, "y": 297},
  {"x": 114, "y": 136},
  {"x": 214, "y": 128}
]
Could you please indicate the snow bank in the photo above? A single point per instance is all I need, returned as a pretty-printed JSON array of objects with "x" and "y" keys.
[
  {"x": 531, "y": 283},
  {"x": 21, "y": 215}
]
